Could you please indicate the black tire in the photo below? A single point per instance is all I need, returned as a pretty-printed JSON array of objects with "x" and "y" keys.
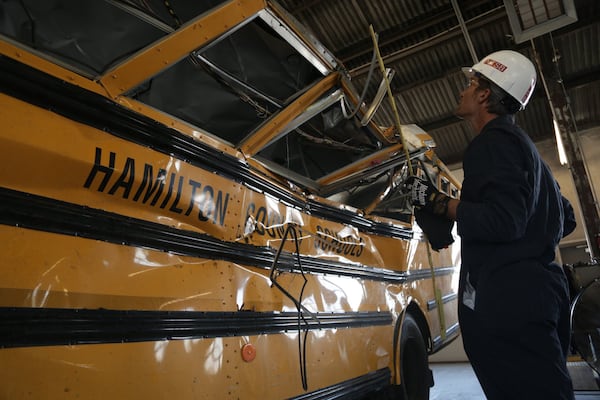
[
  {"x": 414, "y": 365},
  {"x": 415, "y": 374}
]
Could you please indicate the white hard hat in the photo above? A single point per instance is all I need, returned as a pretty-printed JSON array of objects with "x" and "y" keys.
[{"x": 511, "y": 71}]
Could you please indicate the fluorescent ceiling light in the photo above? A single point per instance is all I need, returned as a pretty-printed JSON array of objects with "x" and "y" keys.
[{"x": 562, "y": 155}]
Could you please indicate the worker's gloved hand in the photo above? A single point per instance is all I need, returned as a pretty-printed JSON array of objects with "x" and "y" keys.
[
  {"x": 425, "y": 196},
  {"x": 437, "y": 229}
]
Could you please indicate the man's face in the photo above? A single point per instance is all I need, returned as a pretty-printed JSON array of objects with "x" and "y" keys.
[{"x": 468, "y": 104}]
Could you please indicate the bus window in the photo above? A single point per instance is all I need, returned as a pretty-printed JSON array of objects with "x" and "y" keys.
[{"x": 251, "y": 73}]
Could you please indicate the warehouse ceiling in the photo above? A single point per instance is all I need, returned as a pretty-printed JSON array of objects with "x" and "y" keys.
[{"x": 427, "y": 43}]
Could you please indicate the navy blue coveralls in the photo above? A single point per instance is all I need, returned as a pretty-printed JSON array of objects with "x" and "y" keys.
[{"x": 515, "y": 326}]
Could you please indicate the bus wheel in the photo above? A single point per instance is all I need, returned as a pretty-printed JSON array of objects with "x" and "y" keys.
[{"x": 414, "y": 365}]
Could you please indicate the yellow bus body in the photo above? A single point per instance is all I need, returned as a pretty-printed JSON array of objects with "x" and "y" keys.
[{"x": 143, "y": 257}]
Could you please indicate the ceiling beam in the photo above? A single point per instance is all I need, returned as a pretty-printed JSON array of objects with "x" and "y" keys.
[
  {"x": 452, "y": 33},
  {"x": 365, "y": 47}
]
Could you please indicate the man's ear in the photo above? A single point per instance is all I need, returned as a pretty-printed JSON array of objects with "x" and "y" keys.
[{"x": 483, "y": 95}]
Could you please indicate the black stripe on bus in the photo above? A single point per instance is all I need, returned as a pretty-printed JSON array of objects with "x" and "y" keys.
[
  {"x": 24, "y": 326},
  {"x": 447, "y": 298},
  {"x": 451, "y": 334},
  {"x": 351, "y": 389},
  {"x": 44, "y": 214},
  {"x": 45, "y": 91},
  {"x": 426, "y": 273}
]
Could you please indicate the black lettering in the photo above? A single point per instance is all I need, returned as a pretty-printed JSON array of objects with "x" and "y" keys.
[
  {"x": 174, "y": 207},
  {"x": 354, "y": 247},
  {"x": 195, "y": 185},
  {"x": 300, "y": 235},
  {"x": 207, "y": 203},
  {"x": 98, "y": 167},
  {"x": 329, "y": 238},
  {"x": 281, "y": 230},
  {"x": 324, "y": 240},
  {"x": 317, "y": 238},
  {"x": 221, "y": 208},
  {"x": 250, "y": 210},
  {"x": 321, "y": 235},
  {"x": 360, "y": 246},
  {"x": 153, "y": 185},
  {"x": 211, "y": 205},
  {"x": 347, "y": 247},
  {"x": 338, "y": 245},
  {"x": 126, "y": 179},
  {"x": 260, "y": 219},
  {"x": 169, "y": 192},
  {"x": 271, "y": 221}
]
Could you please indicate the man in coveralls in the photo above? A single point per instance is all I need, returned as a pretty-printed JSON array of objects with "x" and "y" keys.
[{"x": 513, "y": 299}]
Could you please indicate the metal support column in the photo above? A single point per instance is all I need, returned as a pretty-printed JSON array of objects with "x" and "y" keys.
[{"x": 547, "y": 57}]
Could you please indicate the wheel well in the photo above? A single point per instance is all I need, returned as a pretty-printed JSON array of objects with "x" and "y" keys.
[
  {"x": 414, "y": 310},
  {"x": 411, "y": 352}
]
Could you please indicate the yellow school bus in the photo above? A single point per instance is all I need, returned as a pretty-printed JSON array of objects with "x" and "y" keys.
[{"x": 198, "y": 203}]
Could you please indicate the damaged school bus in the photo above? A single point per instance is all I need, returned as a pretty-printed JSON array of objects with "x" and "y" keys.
[{"x": 197, "y": 203}]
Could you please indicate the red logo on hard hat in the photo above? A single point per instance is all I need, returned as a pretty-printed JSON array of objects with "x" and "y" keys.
[{"x": 495, "y": 64}]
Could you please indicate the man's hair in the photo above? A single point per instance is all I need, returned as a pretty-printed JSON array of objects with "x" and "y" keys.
[{"x": 499, "y": 102}]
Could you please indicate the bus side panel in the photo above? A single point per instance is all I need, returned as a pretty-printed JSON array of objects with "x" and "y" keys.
[{"x": 61, "y": 272}]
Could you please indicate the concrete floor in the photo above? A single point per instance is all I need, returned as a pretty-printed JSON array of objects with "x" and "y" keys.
[
  {"x": 457, "y": 381},
  {"x": 454, "y": 381}
]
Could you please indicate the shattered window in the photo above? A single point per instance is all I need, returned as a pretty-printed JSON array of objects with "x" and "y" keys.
[
  {"x": 261, "y": 59},
  {"x": 233, "y": 86},
  {"x": 192, "y": 92},
  {"x": 92, "y": 36},
  {"x": 325, "y": 143},
  {"x": 88, "y": 35}
]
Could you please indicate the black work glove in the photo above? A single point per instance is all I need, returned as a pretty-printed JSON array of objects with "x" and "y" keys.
[
  {"x": 437, "y": 229},
  {"x": 425, "y": 196}
]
